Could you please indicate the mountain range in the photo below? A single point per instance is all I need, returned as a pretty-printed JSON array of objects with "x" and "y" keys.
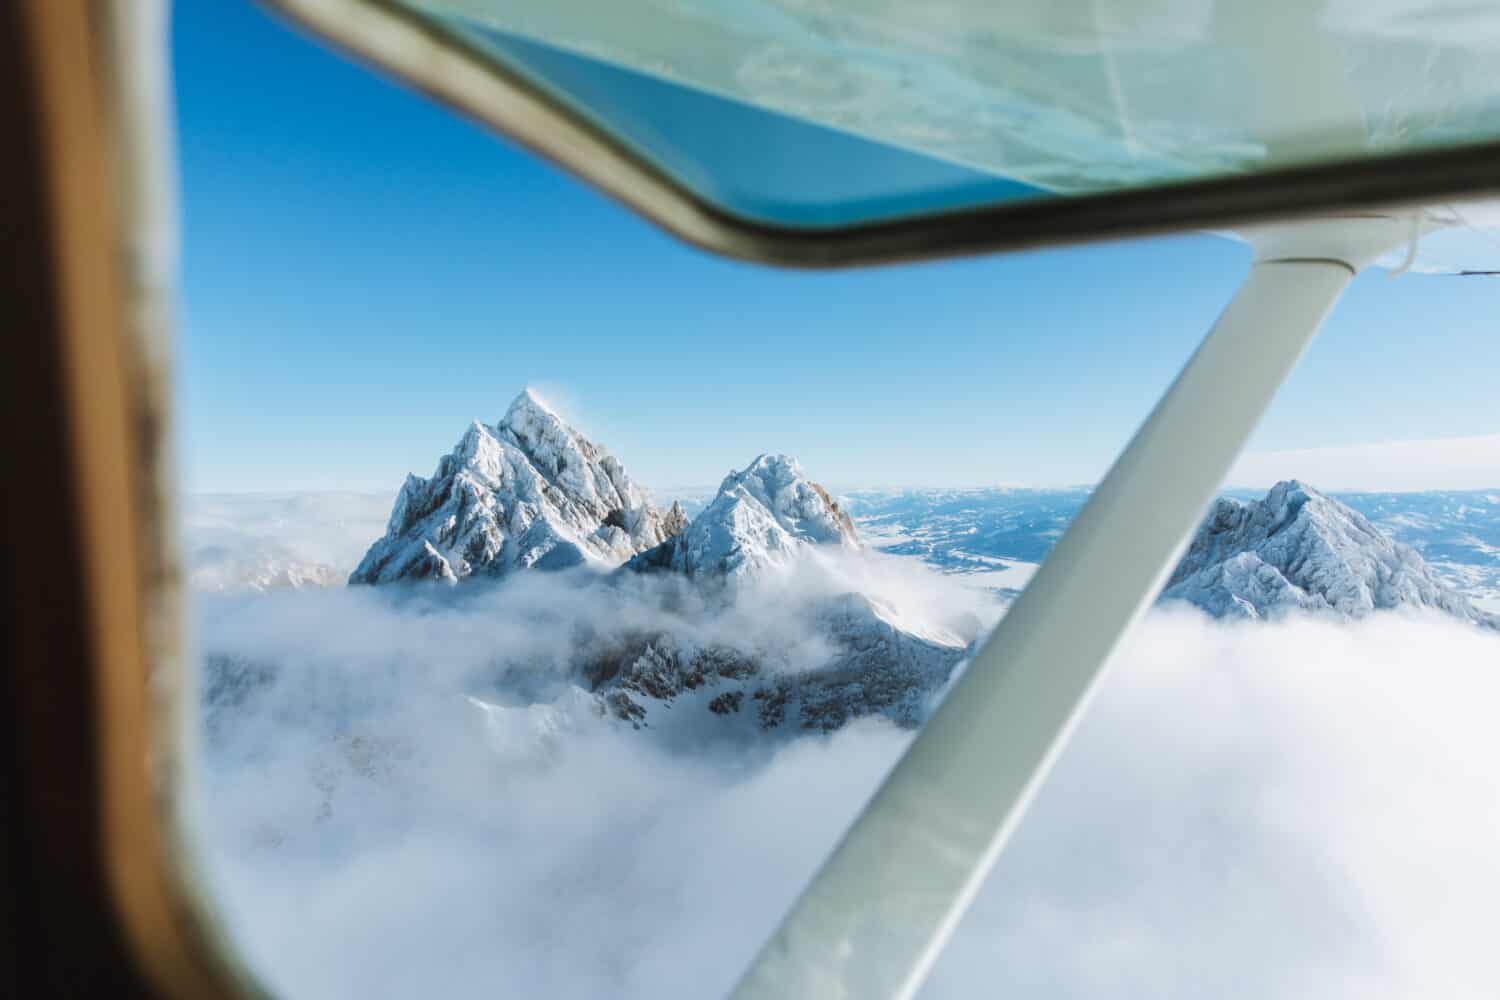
[{"x": 531, "y": 493}]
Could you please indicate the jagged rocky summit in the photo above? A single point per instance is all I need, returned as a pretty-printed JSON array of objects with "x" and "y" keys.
[
  {"x": 531, "y": 493},
  {"x": 1299, "y": 550},
  {"x": 765, "y": 516},
  {"x": 527, "y": 492}
]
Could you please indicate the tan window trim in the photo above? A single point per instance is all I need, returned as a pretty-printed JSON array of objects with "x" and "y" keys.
[{"x": 99, "y": 907}]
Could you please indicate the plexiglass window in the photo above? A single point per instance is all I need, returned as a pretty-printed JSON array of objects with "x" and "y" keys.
[{"x": 560, "y": 594}]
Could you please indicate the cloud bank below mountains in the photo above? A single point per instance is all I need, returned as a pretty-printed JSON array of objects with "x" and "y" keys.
[
  {"x": 1304, "y": 809},
  {"x": 239, "y": 541}
]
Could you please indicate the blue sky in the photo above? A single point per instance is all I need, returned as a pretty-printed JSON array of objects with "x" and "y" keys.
[{"x": 364, "y": 273}]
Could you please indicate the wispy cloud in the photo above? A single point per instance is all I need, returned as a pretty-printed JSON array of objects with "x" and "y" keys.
[{"x": 1458, "y": 463}]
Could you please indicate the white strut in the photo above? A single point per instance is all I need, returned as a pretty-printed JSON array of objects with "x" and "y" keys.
[{"x": 877, "y": 914}]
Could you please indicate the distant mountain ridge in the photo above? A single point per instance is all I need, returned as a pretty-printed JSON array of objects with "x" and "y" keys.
[{"x": 1455, "y": 535}]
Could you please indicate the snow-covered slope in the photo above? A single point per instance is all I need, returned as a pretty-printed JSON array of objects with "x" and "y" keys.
[
  {"x": 1300, "y": 550},
  {"x": 766, "y": 516},
  {"x": 529, "y": 491}
]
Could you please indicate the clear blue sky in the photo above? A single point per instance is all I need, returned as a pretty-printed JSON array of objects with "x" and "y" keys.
[{"x": 364, "y": 273}]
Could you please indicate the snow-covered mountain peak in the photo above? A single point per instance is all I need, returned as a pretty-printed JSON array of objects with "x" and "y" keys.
[
  {"x": 764, "y": 516},
  {"x": 1287, "y": 498},
  {"x": 798, "y": 504},
  {"x": 587, "y": 472},
  {"x": 529, "y": 491},
  {"x": 768, "y": 472},
  {"x": 1300, "y": 549},
  {"x": 529, "y": 400}
]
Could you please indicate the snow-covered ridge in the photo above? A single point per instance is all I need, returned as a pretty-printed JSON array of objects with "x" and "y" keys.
[
  {"x": 1298, "y": 549},
  {"x": 528, "y": 491},
  {"x": 765, "y": 516},
  {"x": 531, "y": 492}
]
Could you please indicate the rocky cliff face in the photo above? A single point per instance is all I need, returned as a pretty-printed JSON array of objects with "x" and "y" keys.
[
  {"x": 876, "y": 667},
  {"x": 527, "y": 492},
  {"x": 1300, "y": 550}
]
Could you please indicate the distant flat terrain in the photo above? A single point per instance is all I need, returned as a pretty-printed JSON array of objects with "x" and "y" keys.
[{"x": 263, "y": 541}]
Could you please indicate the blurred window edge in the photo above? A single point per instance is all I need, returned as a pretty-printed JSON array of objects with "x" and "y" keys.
[
  {"x": 102, "y": 896},
  {"x": 455, "y": 71}
]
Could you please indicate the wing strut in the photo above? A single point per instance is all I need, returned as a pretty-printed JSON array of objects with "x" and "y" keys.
[{"x": 877, "y": 914}]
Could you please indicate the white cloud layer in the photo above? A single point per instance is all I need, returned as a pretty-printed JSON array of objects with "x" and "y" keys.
[
  {"x": 1460, "y": 463},
  {"x": 1306, "y": 809},
  {"x": 234, "y": 541}
]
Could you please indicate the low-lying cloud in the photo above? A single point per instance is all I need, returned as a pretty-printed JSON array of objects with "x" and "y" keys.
[
  {"x": 1306, "y": 809},
  {"x": 239, "y": 541},
  {"x": 1303, "y": 809}
]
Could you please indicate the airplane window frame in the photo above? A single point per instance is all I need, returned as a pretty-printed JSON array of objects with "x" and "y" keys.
[
  {"x": 451, "y": 70},
  {"x": 96, "y": 642}
]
